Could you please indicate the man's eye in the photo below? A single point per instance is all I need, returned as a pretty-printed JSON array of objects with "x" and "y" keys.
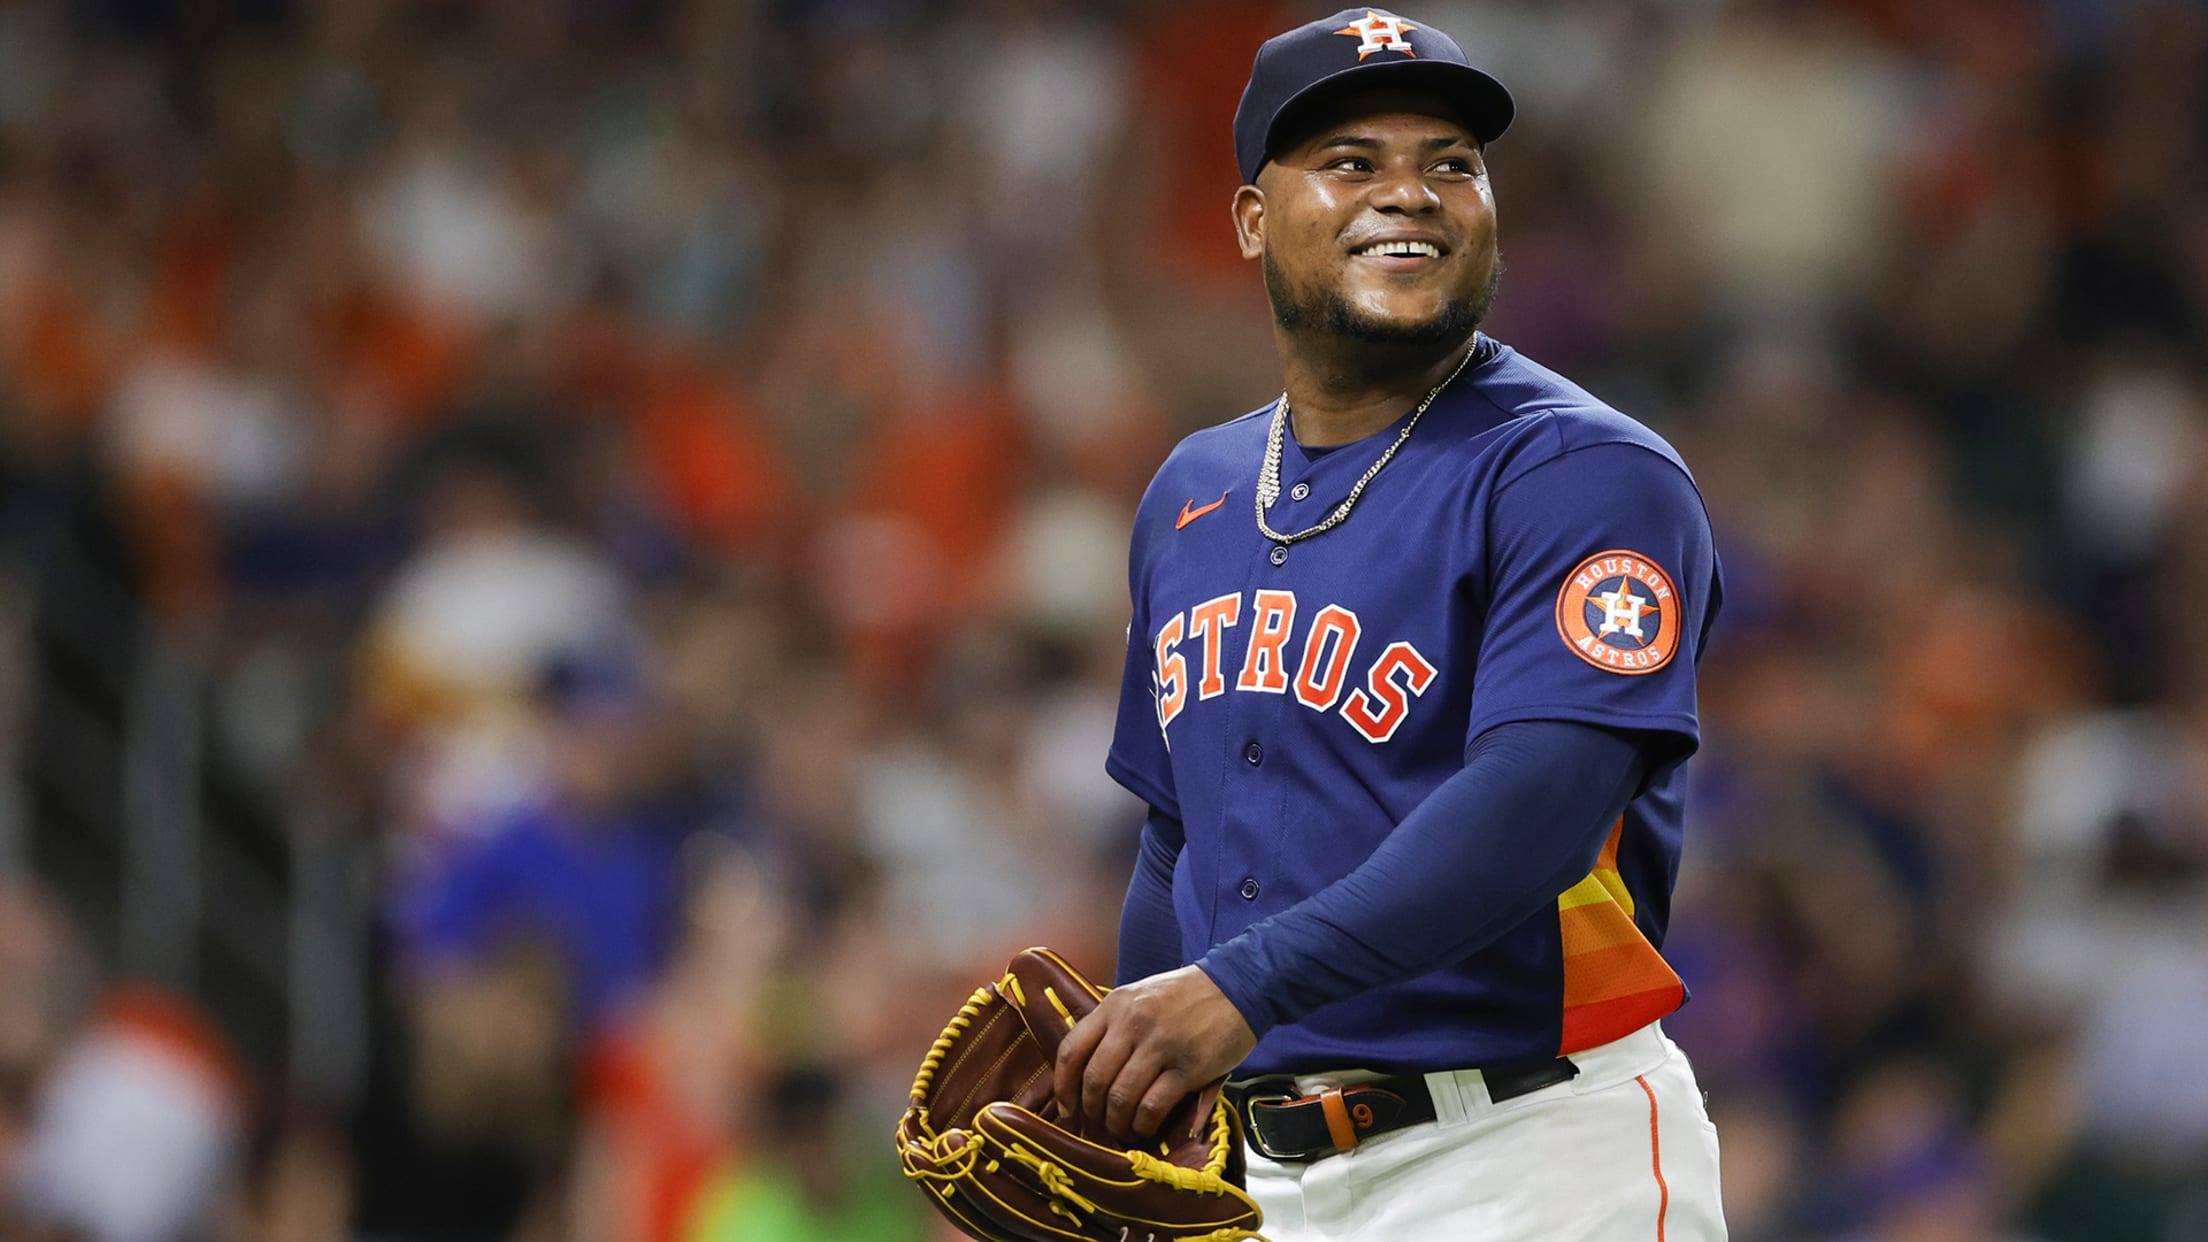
[
  {"x": 1351, "y": 163},
  {"x": 1454, "y": 165}
]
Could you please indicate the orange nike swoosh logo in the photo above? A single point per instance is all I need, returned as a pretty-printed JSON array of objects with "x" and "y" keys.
[{"x": 1189, "y": 515}]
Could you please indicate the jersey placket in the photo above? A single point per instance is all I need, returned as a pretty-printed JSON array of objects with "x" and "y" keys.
[
  {"x": 1252, "y": 792},
  {"x": 1266, "y": 728}
]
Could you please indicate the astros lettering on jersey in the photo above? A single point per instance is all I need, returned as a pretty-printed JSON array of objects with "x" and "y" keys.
[{"x": 1290, "y": 704}]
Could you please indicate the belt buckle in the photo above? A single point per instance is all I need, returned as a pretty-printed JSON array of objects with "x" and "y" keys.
[{"x": 1252, "y": 1097}]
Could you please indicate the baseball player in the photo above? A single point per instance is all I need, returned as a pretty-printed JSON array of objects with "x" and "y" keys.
[{"x": 1410, "y": 693}]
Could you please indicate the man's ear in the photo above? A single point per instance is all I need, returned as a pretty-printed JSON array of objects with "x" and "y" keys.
[{"x": 1249, "y": 220}]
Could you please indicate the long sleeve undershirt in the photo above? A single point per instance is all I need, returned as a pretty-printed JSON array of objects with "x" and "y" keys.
[
  {"x": 1149, "y": 936},
  {"x": 1524, "y": 820}
]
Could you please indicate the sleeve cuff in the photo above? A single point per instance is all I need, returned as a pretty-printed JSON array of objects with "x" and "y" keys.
[
  {"x": 1241, "y": 985},
  {"x": 1682, "y": 724},
  {"x": 1142, "y": 786}
]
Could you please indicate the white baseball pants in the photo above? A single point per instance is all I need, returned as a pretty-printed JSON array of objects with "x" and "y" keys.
[{"x": 1622, "y": 1153}]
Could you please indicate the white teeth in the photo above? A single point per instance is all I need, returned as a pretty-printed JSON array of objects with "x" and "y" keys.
[{"x": 1404, "y": 250}]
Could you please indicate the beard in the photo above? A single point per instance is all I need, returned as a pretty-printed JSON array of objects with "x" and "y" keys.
[{"x": 1328, "y": 313}]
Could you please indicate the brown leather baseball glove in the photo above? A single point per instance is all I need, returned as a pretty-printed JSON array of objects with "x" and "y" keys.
[{"x": 983, "y": 1136}]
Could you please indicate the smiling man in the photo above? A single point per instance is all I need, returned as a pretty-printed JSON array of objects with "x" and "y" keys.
[{"x": 1410, "y": 693}]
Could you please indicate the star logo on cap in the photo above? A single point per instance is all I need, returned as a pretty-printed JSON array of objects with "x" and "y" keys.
[{"x": 1381, "y": 32}]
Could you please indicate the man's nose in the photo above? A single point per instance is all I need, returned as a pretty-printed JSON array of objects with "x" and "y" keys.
[{"x": 1406, "y": 191}]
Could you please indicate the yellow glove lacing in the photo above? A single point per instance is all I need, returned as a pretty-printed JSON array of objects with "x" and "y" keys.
[
  {"x": 942, "y": 1046},
  {"x": 1211, "y": 1179},
  {"x": 1054, "y": 1179},
  {"x": 1060, "y": 1184}
]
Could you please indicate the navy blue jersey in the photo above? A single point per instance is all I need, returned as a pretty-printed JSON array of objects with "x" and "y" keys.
[{"x": 1529, "y": 553}]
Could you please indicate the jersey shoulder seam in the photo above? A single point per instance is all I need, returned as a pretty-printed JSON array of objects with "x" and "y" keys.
[
  {"x": 1562, "y": 451},
  {"x": 1197, "y": 441},
  {"x": 1244, "y": 417}
]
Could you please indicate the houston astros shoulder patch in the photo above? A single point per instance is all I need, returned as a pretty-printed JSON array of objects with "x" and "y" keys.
[{"x": 1616, "y": 611}]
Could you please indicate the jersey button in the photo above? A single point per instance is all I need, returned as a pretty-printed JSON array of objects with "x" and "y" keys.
[
  {"x": 1280, "y": 554},
  {"x": 1300, "y": 491},
  {"x": 1254, "y": 753},
  {"x": 1249, "y": 888}
]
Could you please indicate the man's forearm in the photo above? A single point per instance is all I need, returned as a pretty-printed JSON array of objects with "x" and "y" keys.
[
  {"x": 1149, "y": 935},
  {"x": 1524, "y": 820}
]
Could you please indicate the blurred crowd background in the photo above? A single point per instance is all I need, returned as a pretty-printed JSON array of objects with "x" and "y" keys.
[{"x": 562, "y": 580}]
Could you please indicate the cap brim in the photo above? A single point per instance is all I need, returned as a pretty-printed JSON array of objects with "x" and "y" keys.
[{"x": 1481, "y": 102}]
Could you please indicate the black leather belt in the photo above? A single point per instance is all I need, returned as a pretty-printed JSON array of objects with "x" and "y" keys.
[{"x": 1288, "y": 1125}]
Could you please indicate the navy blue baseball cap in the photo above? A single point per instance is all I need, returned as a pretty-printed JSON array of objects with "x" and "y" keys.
[{"x": 1358, "y": 47}]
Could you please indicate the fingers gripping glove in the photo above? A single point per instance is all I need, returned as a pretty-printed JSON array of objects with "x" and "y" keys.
[{"x": 984, "y": 1139}]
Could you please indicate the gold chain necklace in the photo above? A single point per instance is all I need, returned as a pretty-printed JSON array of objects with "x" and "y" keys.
[{"x": 1268, "y": 475}]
